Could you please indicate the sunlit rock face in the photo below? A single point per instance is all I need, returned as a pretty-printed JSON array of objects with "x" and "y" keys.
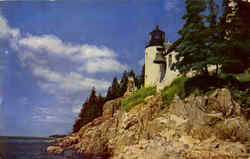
[{"x": 212, "y": 126}]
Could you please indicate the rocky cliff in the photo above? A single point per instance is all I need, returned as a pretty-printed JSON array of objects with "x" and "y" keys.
[{"x": 202, "y": 127}]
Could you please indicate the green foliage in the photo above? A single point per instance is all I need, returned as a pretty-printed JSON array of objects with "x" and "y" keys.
[
  {"x": 91, "y": 109},
  {"x": 236, "y": 34},
  {"x": 123, "y": 83},
  {"x": 141, "y": 78},
  {"x": 195, "y": 92},
  {"x": 137, "y": 98},
  {"x": 176, "y": 88},
  {"x": 242, "y": 97},
  {"x": 199, "y": 85},
  {"x": 114, "y": 91},
  {"x": 243, "y": 77},
  {"x": 206, "y": 41},
  {"x": 194, "y": 48}
]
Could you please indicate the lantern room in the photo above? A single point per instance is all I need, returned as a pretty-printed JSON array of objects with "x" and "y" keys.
[{"x": 157, "y": 37}]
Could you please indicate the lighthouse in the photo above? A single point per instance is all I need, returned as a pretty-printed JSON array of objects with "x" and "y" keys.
[{"x": 153, "y": 70}]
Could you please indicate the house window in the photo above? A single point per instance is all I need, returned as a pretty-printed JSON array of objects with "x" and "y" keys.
[
  {"x": 170, "y": 61},
  {"x": 163, "y": 71}
]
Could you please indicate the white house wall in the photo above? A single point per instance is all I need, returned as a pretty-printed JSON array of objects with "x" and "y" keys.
[
  {"x": 152, "y": 70},
  {"x": 170, "y": 74}
]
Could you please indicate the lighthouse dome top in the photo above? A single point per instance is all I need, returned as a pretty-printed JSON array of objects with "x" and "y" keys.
[{"x": 157, "y": 37}]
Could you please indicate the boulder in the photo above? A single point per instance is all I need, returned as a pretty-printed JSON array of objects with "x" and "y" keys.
[
  {"x": 55, "y": 150},
  {"x": 110, "y": 107},
  {"x": 234, "y": 129},
  {"x": 202, "y": 127}
]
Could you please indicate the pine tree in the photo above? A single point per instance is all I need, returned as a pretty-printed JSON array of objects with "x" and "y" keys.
[
  {"x": 113, "y": 91},
  {"x": 214, "y": 56},
  {"x": 77, "y": 125},
  {"x": 131, "y": 74},
  {"x": 115, "y": 88},
  {"x": 123, "y": 83},
  {"x": 141, "y": 78},
  {"x": 91, "y": 109},
  {"x": 236, "y": 25},
  {"x": 93, "y": 97},
  {"x": 192, "y": 49},
  {"x": 109, "y": 95}
]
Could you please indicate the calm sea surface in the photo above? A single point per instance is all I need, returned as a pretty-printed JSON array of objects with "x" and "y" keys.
[{"x": 29, "y": 149}]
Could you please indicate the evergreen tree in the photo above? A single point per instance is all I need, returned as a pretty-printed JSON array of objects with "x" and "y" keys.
[
  {"x": 141, "y": 78},
  {"x": 123, "y": 83},
  {"x": 91, "y": 109},
  {"x": 93, "y": 97},
  {"x": 214, "y": 56},
  {"x": 101, "y": 100},
  {"x": 77, "y": 125},
  {"x": 115, "y": 88},
  {"x": 192, "y": 49},
  {"x": 109, "y": 95},
  {"x": 235, "y": 26},
  {"x": 131, "y": 73}
]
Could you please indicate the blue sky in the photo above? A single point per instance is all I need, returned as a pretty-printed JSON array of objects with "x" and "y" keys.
[{"x": 53, "y": 52}]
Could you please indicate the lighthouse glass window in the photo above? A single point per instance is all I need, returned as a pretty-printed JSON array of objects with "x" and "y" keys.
[{"x": 157, "y": 35}]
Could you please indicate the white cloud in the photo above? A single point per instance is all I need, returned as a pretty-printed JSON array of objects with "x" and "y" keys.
[
  {"x": 76, "y": 109},
  {"x": 103, "y": 65},
  {"x": 6, "y": 31},
  {"x": 51, "y": 115},
  {"x": 93, "y": 58},
  {"x": 41, "y": 52},
  {"x": 171, "y": 5},
  {"x": 54, "y": 45},
  {"x": 71, "y": 83},
  {"x": 55, "y": 65}
]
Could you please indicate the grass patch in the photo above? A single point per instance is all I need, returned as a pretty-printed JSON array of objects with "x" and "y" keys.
[
  {"x": 176, "y": 88},
  {"x": 238, "y": 84},
  {"x": 137, "y": 98},
  {"x": 242, "y": 77}
]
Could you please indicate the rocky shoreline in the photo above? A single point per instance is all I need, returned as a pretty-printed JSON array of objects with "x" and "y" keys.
[{"x": 202, "y": 127}]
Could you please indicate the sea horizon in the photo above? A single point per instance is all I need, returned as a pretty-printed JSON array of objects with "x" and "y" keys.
[{"x": 26, "y": 137}]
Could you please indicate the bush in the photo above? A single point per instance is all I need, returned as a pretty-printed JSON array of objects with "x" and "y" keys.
[
  {"x": 199, "y": 85},
  {"x": 176, "y": 88},
  {"x": 243, "y": 77},
  {"x": 137, "y": 98},
  {"x": 242, "y": 97}
]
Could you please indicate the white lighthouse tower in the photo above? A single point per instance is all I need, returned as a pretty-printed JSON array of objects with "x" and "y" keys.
[{"x": 152, "y": 70}]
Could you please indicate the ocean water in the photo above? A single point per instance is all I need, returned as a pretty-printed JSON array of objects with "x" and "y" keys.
[{"x": 30, "y": 149}]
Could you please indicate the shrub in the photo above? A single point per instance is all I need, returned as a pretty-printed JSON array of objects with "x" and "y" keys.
[
  {"x": 199, "y": 85},
  {"x": 137, "y": 98},
  {"x": 243, "y": 77},
  {"x": 242, "y": 97},
  {"x": 176, "y": 88}
]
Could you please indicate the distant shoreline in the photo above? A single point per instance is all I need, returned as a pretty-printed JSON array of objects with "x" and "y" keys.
[{"x": 26, "y": 138}]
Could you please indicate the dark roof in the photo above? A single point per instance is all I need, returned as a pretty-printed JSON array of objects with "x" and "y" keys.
[
  {"x": 157, "y": 29},
  {"x": 174, "y": 45}
]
